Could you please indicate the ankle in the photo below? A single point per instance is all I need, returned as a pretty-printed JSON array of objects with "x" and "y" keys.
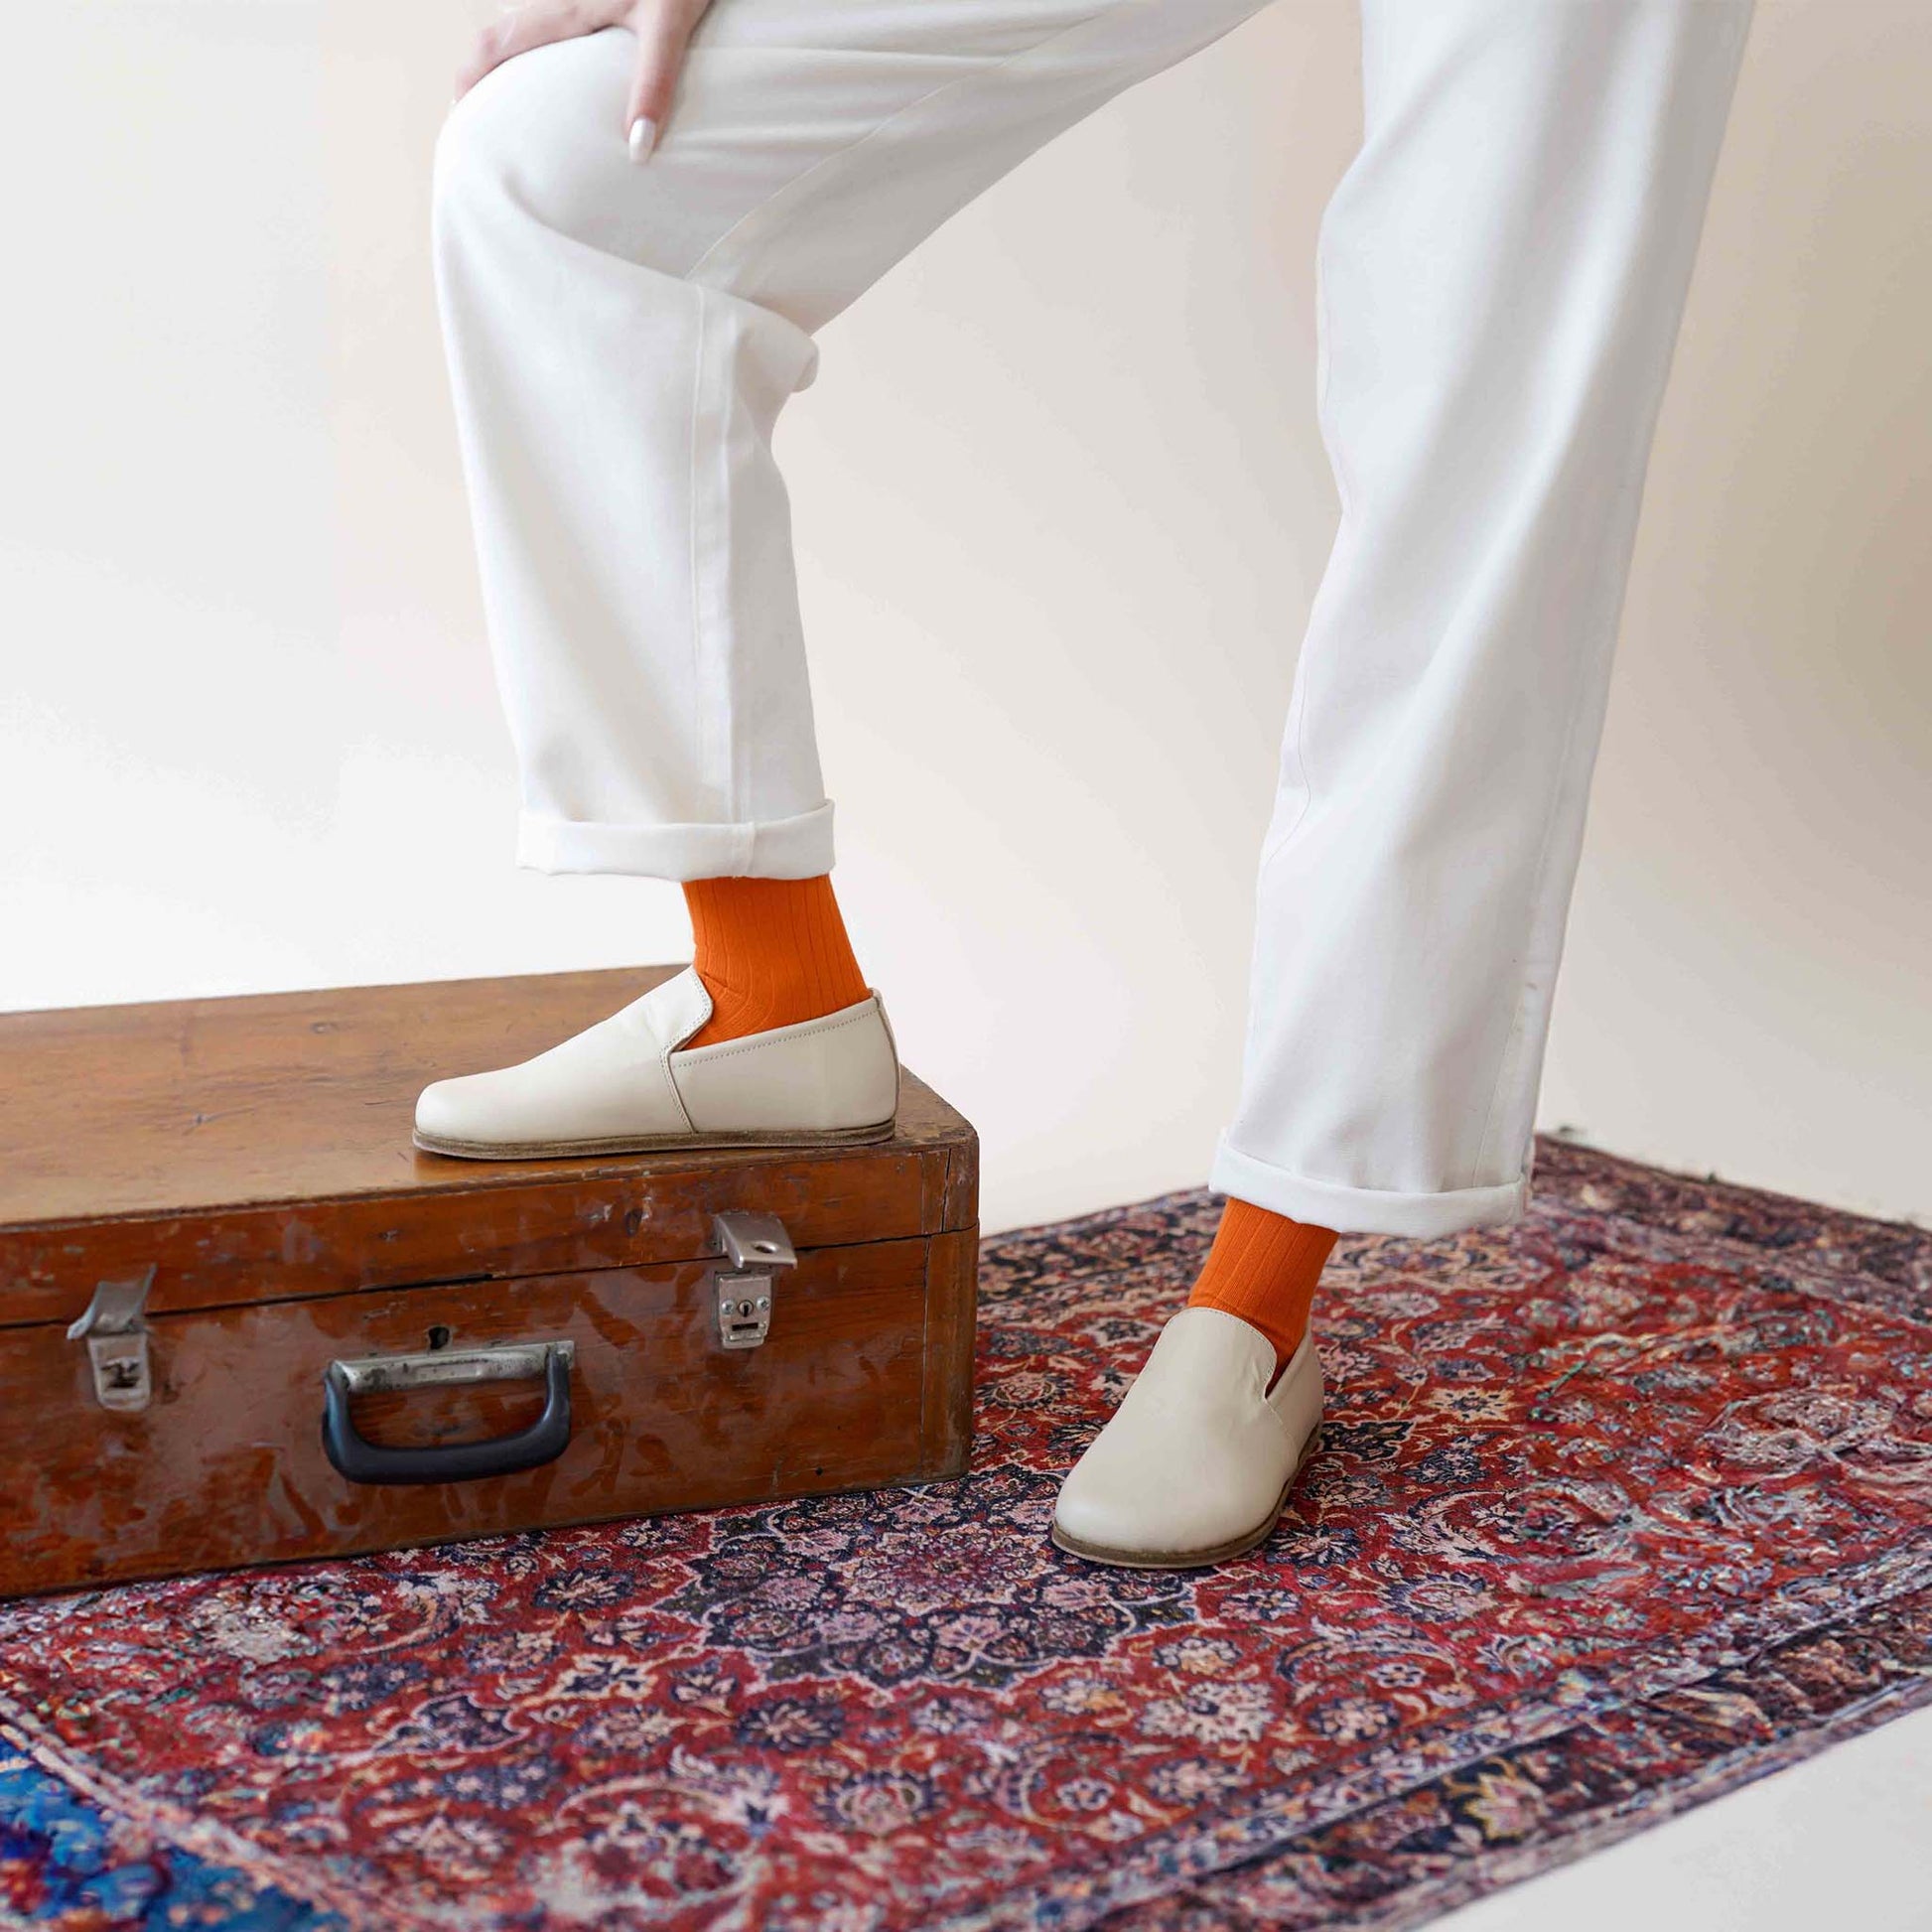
[
  {"x": 1263, "y": 1269},
  {"x": 771, "y": 952}
]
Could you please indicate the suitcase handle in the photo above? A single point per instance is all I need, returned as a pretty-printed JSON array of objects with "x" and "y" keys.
[{"x": 544, "y": 1440}]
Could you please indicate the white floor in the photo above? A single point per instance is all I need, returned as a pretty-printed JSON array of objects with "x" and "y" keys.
[{"x": 1842, "y": 1842}]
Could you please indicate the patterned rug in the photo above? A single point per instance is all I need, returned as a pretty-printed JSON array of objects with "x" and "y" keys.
[{"x": 1616, "y": 1509}]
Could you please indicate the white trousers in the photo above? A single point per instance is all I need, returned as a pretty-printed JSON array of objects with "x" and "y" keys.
[{"x": 1501, "y": 274}]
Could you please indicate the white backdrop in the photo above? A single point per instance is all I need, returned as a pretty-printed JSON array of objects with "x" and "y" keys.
[{"x": 249, "y": 740}]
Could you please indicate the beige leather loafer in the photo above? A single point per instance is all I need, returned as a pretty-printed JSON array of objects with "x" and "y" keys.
[
  {"x": 630, "y": 1085},
  {"x": 1197, "y": 1463}
]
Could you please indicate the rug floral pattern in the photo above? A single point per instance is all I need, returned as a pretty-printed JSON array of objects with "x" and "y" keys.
[{"x": 1617, "y": 1508}]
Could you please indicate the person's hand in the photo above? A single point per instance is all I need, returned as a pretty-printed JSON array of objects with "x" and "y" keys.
[{"x": 662, "y": 27}]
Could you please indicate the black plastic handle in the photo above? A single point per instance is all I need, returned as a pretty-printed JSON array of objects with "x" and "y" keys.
[{"x": 362, "y": 1460}]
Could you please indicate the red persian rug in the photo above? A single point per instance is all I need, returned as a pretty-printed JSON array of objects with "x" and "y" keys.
[{"x": 1616, "y": 1509}]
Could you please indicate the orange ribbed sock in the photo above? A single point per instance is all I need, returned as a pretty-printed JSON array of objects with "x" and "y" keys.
[
  {"x": 771, "y": 952},
  {"x": 1262, "y": 1268}
]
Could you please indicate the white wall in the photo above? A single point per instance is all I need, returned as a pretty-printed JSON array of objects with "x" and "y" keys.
[{"x": 1061, "y": 506}]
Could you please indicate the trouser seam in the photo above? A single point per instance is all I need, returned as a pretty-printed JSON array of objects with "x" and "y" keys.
[
  {"x": 726, "y": 785},
  {"x": 699, "y": 681}
]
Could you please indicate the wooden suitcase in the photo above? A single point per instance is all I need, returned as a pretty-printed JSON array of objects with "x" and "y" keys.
[{"x": 243, "y": 1320}]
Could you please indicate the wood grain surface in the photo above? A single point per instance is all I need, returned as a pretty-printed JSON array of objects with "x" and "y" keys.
[
  {"x": 256, "y": 1154},
  {"x": 858, "y": 1385},
  {"x": 259, "y": 1148}
]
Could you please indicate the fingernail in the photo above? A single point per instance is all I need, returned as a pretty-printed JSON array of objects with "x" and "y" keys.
[{"x": 643, "y": 137}]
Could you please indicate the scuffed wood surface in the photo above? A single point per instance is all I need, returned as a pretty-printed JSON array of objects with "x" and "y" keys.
[
  {"x": 259, "y": 1148},
  {"x": 859, "y": 1385},
  {"x": 257, "y": 1153}
]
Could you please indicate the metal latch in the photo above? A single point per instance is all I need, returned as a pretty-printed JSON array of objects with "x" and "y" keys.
[
  {"x": 755, "y": 1247},
  {"x": 117, "y": 1341}
]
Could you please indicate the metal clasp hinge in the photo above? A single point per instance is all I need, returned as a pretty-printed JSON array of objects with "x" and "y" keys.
[
  {"x": 117, "y": 1341},
  {"x": 755, "y": 1247}
]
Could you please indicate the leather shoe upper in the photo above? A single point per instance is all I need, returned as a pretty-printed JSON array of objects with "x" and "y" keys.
[
  {"x": 1199, "y": 1451},
  {"x": 630, "y": 1075}
]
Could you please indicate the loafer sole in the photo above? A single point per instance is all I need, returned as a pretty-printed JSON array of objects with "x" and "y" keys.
[
  {"x": 656, "y": 1143},
  {"x": 1194, "y": 1558}
]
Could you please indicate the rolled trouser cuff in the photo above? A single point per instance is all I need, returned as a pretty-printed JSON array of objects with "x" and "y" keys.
[
  {"x": 799, "y": 847},
  {"x": 1363, "y": 1210}
]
